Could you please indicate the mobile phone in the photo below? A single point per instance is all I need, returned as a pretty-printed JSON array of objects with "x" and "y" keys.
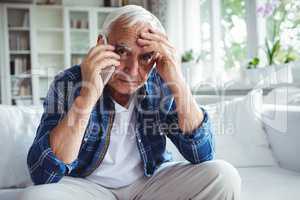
[{"x": 107, "y": 72}]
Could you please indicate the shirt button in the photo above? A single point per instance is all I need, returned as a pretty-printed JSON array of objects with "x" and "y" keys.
[{"x": 140, "y": 141}]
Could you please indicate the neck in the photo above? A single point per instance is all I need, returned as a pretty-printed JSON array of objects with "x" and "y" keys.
[{"x": 122, "y": 99}]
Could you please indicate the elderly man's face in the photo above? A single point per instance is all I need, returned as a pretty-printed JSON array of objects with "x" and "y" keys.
[{"x": 135, "y": 63}]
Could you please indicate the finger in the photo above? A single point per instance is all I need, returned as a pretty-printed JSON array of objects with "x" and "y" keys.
[
  {"x": 98, "y": 48},
  {"x": 156, "y": 56},
  {"x": 106, "y": 63},
  {"x": 156, "y": 31},
  {"x": 157, "y": 38},
  {"x": 167, "y": 44},
  {"x": 158, "y": 46},
  {"x": 106, "y": 54},
  {"x": 151, "y": 36},
  {"x": 143, "y": 42},
  {"x": 145, "y": 30},
  {"x": 151, "y": 47}
]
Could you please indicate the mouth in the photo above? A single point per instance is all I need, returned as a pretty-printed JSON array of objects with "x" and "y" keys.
[{"x": 129, "y": 82}]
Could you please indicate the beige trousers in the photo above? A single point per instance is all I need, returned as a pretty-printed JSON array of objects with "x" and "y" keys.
[{"x": 212, "y": 180}]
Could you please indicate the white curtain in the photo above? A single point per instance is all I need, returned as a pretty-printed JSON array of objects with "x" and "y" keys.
[{"x": 181, "y": 18}]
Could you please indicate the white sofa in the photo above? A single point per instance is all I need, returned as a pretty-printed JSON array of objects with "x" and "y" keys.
[{"x": 240, "y": 139}]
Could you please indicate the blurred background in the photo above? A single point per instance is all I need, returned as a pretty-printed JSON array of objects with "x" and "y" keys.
[
  {"x": 224, "y": 45},
  {"x": 241, "y": 59}
]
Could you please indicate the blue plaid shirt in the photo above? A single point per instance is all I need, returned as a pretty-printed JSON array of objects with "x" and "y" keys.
[{"x": 156, "y": 119}]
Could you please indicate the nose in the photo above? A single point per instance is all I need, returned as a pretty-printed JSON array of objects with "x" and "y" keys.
[{"x": 132, "y": 68}]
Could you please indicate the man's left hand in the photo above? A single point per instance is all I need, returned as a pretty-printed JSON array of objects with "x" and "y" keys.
[
  {"x": 167, "y": 62},
  {"x": 168, "y": 66}
]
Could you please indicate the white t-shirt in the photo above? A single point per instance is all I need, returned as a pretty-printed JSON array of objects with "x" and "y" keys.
[{"x": 122, "y": 164}]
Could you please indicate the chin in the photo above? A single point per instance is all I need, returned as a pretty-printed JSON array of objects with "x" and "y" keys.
[
  {"x": 125, "y": 88},
  {"x": 127, "y": 91}
]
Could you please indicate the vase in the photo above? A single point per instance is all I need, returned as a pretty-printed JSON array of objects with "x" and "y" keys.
[{"x": 192, "y": 72}]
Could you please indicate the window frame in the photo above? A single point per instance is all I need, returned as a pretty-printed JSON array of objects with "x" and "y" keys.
[{"x": 255, "y": 25}]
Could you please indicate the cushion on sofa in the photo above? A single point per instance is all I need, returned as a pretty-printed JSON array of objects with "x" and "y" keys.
[
  {"x": 240, "y": 137},
  {"x": 18, "y": 127},
  {"x": 238, "y": 130}
]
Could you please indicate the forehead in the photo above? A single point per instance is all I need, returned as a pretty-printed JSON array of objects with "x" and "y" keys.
[{"x": 121, "y": 33}]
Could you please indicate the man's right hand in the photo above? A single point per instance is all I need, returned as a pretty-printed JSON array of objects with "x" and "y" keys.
[{"x": 97, "y": 59}]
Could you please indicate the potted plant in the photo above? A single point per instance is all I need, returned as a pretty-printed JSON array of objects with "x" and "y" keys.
[{"x": 279, "y": 53}]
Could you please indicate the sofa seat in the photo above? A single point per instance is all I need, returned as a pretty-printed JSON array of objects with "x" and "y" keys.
[
  {"x": 240, "y": 140},
  {"x": 10, "y": 194},
  {"x": 262, "y": 183},
  {"x": 258, "y": 183}
]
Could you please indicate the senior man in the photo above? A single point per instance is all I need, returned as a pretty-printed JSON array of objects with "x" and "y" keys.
[{"x": 108, "y": 141}]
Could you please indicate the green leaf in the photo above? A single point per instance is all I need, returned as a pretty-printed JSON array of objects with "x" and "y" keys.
[
  {"x": 268, "y": 52},
  {"x": 253, "y": 63},
  {"x": 187, "y": 56},
  {"x": 276, "y": 48}
]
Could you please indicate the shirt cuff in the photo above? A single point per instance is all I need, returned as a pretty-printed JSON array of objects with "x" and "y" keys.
[{"x": 200, "y": 132}]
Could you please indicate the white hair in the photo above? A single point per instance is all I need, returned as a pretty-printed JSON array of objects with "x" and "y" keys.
[{"x": 132, "y": 15}]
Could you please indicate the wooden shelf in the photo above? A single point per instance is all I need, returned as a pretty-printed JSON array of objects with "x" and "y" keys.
[
  {"x": 45, "y": 6},
  {"x": 56, "y": 52},
  {"x": 22, "y": 97},
  {"x": 52, "y": 44},
  {"x": 21, "y": 75},
  {"x": 106, "y": 9},
  {"x": 19, "y": 52},
  {"x": 16, "y": 28},
  {"x": 46, "y": 76},
  {"x": 41, "y": 30},
  {"x": 79, "y": 52},
  {"x": 79, "y": 30}
]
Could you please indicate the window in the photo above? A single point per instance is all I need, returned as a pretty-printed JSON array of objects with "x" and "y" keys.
[
  {"x": 234, "y": 33},
  {"x": 205, "y": 38},
  {"x": 231, "y": 32},
  {"x": 283, "y": 26}
]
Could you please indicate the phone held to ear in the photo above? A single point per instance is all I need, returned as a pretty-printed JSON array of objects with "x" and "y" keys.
[{"x": 107, "y": 72}]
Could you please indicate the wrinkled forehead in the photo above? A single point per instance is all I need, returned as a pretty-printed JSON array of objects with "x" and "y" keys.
[{"x": 121, "y": 32}]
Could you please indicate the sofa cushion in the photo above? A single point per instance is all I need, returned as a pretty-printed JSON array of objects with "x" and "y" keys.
[
  {"x": 238, "y": 130},
  {"x": 239, "y": 133},
  {"x": 18, "y": 127}
]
